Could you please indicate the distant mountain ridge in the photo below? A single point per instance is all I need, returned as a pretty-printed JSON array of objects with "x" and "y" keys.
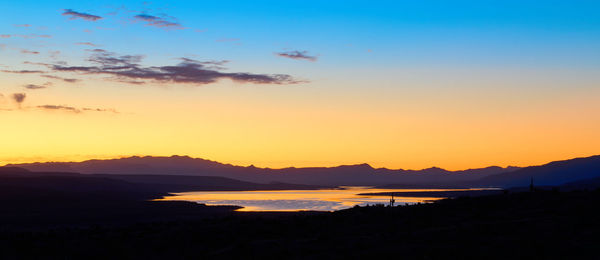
[
  {"x": 361, "y": 174},
  {"x": 554, "y": 173}
]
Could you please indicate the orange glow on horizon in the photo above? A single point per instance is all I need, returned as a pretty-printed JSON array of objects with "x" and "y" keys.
[{"x": 313, "y": 125}]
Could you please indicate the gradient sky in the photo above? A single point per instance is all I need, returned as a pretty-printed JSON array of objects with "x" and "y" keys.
[{"x": 397, "y": 84}]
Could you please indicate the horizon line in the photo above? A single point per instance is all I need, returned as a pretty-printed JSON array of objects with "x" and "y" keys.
[{"x": 288, "y": 167}]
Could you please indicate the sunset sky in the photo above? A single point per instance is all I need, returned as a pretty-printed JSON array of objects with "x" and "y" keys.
[{"x": 397, "y": 84}]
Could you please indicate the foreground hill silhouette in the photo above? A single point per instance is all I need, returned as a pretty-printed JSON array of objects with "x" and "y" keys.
[
  {"x": 554, "y": 173},
  {"x": 533, "y": 225}
]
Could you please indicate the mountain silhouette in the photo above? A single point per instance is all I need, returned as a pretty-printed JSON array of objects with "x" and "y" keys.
[
  {"x": 551, "y": 174},
  {"x": 554, "y": 173},
  {"x": 361, "y": 174}
]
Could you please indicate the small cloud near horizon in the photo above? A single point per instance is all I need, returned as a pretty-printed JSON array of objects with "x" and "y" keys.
[
  {"x": 34, "y": 86},
  {"x": 74, "y": 109},
  {"x": 19, "y": 98}
]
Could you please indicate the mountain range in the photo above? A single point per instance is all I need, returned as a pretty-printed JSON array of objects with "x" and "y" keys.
[{"x": 554, "y": 173}]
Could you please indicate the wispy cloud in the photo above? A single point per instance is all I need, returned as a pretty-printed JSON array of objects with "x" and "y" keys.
[
  {"x": 86, "y": 43},
  {"x": 59, "y": 107},
  {"x": 79, "y": 15},
  {"x": 24, "y": 51},
  {"x": 297, "y": 55},
  {"x": 25, "y": 36},
  {"x": 34, "y": 86},
  {"x": 112, "y": 110},
  {"x": 22, "y": 25},
  {"x": 127, "y": 69},
  {"x": 158, "y": 21},
  {"x": 69, "y": 80},
  {"x": 75, "y": 109},
  {"x": 22, "y": 71}
]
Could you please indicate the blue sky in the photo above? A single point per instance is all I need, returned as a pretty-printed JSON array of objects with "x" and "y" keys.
[{"x": 341, "y": 32}]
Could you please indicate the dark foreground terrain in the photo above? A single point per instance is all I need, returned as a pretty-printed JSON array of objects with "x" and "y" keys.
[{"x": 526, "y": 225}]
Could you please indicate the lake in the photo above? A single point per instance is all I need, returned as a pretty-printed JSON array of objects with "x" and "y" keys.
[{"x": 298, "y": 200}]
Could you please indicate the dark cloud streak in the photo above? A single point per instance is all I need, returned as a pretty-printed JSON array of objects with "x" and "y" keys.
[
  {"x": 76, "y": 110},
  {"x": 29, "y": 52},
  {"x": 22, "y": 71},
  {"x": 297, "y": 55},
  {"x": 59, "y": 107},
  {"x": 69, "y": 80},
  {"x": 34, "y": 86},
  {"x": 126, "y": 69},
  {"x": 84, "y": 16},
  {"x": 157, "y": 21}
]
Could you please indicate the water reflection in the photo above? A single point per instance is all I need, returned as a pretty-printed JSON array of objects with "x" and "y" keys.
[{"x": 295, "y": 200}]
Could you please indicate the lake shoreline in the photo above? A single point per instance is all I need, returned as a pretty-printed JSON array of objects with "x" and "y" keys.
[{"x": 328, "y": 200}]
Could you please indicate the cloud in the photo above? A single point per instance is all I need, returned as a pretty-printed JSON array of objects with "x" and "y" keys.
[
  {"x": 33, "y": 86},
  {"x": 22, "y": 71},
  {"x": 101, "y": 110},
  {"x": 297, "y": 55},
  {"x": 29, "y": 52},
  {"x": 127, "y": 69},
  {"x": 59, "y": 107},
  {"x": 22, "y": 25},
  {"x": 86, "y": 43},
  {"x": 26, "y": 36},
  {"x": 157, "y": 21},
  {"x": 69, "y": 80},
  {"x": 84, "y": 16},
  {"x": 19, "y": 97},
  {"x": 76, "y": 110}
]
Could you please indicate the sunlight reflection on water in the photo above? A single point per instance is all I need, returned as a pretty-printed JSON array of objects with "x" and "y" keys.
[{"x": 296, "y": 200}]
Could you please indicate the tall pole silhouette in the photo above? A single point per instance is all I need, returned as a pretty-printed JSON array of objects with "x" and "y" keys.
[{"x": 531, "y": 188}]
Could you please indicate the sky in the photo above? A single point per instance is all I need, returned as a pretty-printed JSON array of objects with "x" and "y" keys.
[{"x": 396, "y": 84}]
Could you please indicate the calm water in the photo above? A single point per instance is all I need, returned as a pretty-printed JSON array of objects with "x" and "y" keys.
[{"x": 295, "y": 200}]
